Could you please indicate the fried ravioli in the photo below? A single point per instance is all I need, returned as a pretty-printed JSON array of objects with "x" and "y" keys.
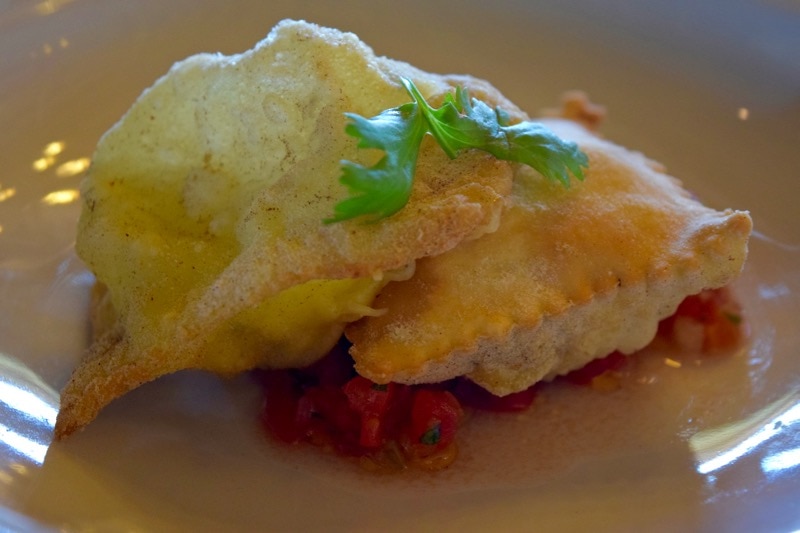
[
  {"x": 203, "y": 208},
  {"x": 569, "y": 276}
]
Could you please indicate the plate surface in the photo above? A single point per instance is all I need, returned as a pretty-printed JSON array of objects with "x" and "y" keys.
[{"x": 712, "y": 89}]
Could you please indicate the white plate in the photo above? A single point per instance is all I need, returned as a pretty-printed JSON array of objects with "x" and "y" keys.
[{"x": 710, "y": 88}]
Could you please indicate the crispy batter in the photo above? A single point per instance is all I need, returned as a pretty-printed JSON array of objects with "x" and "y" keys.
[
  {"x": 570, "y": 275},
  {"x": 203, "y": 212}
]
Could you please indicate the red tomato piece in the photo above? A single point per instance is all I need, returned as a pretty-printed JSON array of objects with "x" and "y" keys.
[
  {"x": 371, "y": 401},
  {"x": 435, "y": 416},
  {"x": 367, "y": 397},
  {"x": 716, "y": 311},
  {"x": 722, "y": 334}
]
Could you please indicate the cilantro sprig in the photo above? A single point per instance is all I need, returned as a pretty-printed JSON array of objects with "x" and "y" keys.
[{"x": 459, "y": 124}]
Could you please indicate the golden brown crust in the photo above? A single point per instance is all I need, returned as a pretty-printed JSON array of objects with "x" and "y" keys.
[
  {"x": 204, "y": 207},
  {"x": 570, "y": 275}
]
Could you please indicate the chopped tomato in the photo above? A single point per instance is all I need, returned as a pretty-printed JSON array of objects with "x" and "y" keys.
[
  {"x": 333, "y": 423},
  {"x": 722, "y": 334},
  {"x": 715, "y": 312},
  {"x": 369, "y": 398},
  {"x": 435, "y": 415},
  {"x": 362, "y": 418},
  {"x": 371, "y": 401}
]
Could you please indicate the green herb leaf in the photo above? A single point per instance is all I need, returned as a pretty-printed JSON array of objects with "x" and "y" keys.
[
  {"x": 431, "y": 436},
  {"x": 733, "y": 318},
  {"x": 459, "y": 124}
]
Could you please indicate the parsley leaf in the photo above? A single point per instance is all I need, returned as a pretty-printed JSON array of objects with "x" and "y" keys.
[
  {"x": 459, "y": 124},
  {"x": 432, "y": 436},
  {"x": 383, "y": 189}
]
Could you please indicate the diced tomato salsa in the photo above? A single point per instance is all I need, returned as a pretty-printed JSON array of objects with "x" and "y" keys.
[
  {"x": 393, "y": 426},
  {"x": 716, "y": 315},
  {"x": 329, "y": 405}
]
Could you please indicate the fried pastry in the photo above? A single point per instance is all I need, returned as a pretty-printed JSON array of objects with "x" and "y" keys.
[
  {"x": 569, "y": 276},
  {"x": 203, "y": 208}
]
